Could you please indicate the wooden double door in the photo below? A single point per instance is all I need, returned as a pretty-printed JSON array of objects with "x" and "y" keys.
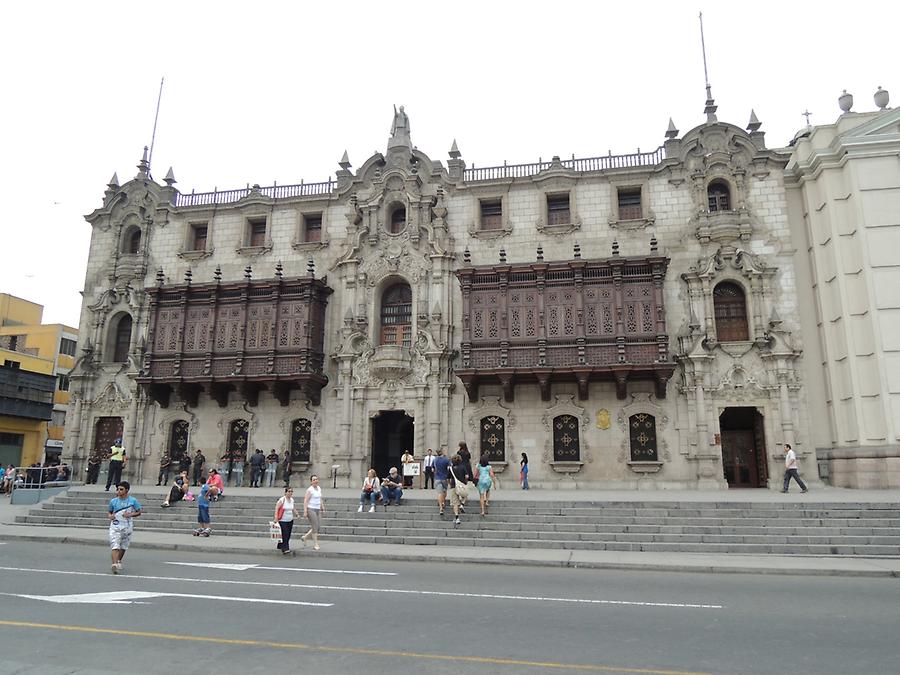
[{"x": 743, "y": 447}]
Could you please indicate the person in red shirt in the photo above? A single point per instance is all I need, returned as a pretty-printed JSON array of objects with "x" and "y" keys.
[{"x": 216, "y": 480}]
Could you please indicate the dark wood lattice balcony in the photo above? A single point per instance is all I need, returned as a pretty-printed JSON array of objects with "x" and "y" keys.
[
  {"x": 576, "y": 320},
  {"x": 240, "y": 336}
]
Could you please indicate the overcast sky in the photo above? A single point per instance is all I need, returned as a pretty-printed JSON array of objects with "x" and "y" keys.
[{"x": 267, "y": 92}]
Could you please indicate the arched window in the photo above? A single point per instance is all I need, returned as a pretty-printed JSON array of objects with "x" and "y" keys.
[
  {"x": 178, "y": 439},
  {"x": 731, "y": 312},
  {"x": 301, "y": 439},
  {"x": 565, "y": 439},
  {"x": 396, "y": 315},
  {"x": 398, "y": 220},
  {"x": 493, "y": 438},
  {"x": 133, "y": 241},
  {"x": 642, "y": 432},
  {"x": 719, "y": 196},
  {"x": 122, "y": 340}
]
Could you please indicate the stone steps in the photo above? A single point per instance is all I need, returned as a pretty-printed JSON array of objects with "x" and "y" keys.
[{"x": 831, "y": 529}]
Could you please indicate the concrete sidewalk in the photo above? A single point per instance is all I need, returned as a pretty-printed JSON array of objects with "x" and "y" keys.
[{"x": 669, "y": 562}]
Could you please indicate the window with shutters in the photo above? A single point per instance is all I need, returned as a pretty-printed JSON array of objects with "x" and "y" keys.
[
  {"x": 312, "y": 227},
  {"x": 558, "y": 210},
  {"x": 719, "y": 196},
  {"x": 199, "y": 236},
  {"x": 256, "y": 232},
  {"x": 630, "y": 206},
  {"x": 492, "y": 214},
  {"x": 396, "y": 315},
  {"x": 730, "y": 305}
]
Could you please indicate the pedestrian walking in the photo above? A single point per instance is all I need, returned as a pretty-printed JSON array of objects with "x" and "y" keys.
[
  {"x": 459, "y": 487},
  {"x": 313, "y": 508},
  {"x": 428, "y": 465},
  {"x": 199, "y": 461},
  {"x": 523, "y": 471},
  {"x": 285, "y": 512},
  {"x": 204, "y": 525},
  {"x": 791, "y": 469},
  {"x": 121, "y": 511},
  {"x": 484, "y": 480},
  {"x": 165, "y": 464},
  {"x": 271, "y": 468},
  {"x": 442, "y": 476},
  {"x": 116, "y": 463}
]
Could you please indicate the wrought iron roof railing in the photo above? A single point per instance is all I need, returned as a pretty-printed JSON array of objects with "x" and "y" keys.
[
  {"x": 274, "y": 191},
  {"x": 474, "y": 175}
]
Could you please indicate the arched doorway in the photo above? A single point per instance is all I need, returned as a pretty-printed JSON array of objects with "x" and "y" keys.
[
  {"x": 392, "y": 435},
  {"x": 743, "y": 447}
]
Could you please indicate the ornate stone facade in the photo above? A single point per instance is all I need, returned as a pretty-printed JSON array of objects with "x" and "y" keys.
[{"x": 701, "y": 224}]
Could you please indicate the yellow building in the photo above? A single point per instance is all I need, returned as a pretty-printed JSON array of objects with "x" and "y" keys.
[{"x": 49, "y": 349}]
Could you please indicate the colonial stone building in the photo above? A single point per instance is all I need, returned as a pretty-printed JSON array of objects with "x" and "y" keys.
[{"x": 627, "y": 321}]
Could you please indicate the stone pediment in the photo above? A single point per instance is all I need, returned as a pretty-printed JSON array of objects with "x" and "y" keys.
[{"x": 884, "y": 125}]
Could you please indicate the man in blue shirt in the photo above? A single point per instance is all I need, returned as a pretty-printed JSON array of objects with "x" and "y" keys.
[
  {"x": 441, "y": 477},
  {"x": 121, "y": 510},
  {"x": 207, "y": 492}
]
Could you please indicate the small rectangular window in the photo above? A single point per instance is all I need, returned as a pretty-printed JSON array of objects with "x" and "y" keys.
[
  {"x": 558, "y": 212},
  {"x": 257, "y": 232},
  {"x": 58, "y": 418},
  {"x": 630, "y": 204},
  {"x": 199, "y": 234},
  {"x": 313, "y": 227},
  {"x": 67, "y": 346},
  {"x": 63, "y": 383},
  {"x": 492, "y": 214}
]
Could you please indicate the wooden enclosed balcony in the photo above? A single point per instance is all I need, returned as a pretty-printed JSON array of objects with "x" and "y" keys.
[
  {"x": 238, "y": 337},
  {"x": 567, "y": 321}
]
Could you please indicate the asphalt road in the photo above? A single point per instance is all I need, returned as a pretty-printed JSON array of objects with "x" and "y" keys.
[{"x": 170, "y": 612}]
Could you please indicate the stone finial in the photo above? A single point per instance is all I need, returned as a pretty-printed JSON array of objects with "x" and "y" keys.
[
  {"x": 845, "y": 102},
  {"x": 279, "y": 270},
  {"x": 882, "y": 98},
  {"x": 311, "y": 268},
  {"x": 454, "y": 151},
  {"x": 113, "y": 182},
  {"x": 540, "y": 253},
  {"x": 754, "y": 124},
  {"x": 467, "y": 256},
  {"x": 217, "y": 275},
  {"x": 672, "y": 131},
  {"x": 170, "y": 178},
  {"x": 160, "y": 277},
  {"x": 502, "y": 256},
  {"x": 248, "y": 272},
  {"x": 144, "y": 165},
  {"x": 774, "y": 319},
  {"x": 576, "y": 250},
  {"x": 654, "y": 244},
  {"x": 188, "y": 276},
  {"x": 615, "y": 247},
  {"x": 710, "y": 107},
  {"x": 345, "y": 161}
]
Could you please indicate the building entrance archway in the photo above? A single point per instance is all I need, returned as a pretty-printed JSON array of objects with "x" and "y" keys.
[
  {"x": 743, "y": 447},
  {"x": 392, "y": 435}
]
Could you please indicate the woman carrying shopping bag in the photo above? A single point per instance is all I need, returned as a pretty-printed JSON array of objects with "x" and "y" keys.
[{"x": 285, "y": 512}]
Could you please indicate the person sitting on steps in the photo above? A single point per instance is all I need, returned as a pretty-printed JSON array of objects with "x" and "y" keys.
[
  {"x": 392, "y": 488},
  {"x": 370, "y": 488}
]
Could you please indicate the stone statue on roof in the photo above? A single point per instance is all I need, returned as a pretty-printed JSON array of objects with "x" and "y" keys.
[{"x": 399, "y": 129}]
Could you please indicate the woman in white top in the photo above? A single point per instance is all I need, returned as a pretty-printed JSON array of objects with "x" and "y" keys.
[
  {"x": 371, "y": 487},
  {"x": 313, "y": 507},
  {"x": 285, "y": 512}
]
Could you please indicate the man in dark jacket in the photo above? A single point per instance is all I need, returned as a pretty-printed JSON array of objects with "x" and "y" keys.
[
  {"x": 199, "y": 461},
  {"x": 257, "y": 463}
]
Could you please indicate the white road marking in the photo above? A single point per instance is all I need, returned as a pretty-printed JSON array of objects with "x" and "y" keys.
[
  {"x": 127, "y": 597},
  {"x": 393, "y": 591},
  {"x": 241, "y": 568}
]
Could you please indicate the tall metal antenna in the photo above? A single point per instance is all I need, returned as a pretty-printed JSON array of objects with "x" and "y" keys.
[
  {"x": 156, "y": 119},
  {"x": 710, "y": 108}
]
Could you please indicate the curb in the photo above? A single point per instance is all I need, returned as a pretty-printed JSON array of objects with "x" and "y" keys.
[{"x": 462, "y": 558}]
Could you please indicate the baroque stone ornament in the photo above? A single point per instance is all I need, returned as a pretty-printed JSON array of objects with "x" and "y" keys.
[{"x": 603, "y": 419}]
